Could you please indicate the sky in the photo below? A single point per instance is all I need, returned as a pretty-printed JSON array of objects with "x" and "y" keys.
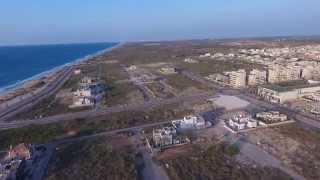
[{"x": 74, "y": 21}]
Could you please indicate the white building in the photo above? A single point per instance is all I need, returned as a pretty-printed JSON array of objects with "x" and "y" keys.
[
  {"x": 257, "y": 77},
  {"x": 189, "y": 122},
  {"x": 83, "y": 101},
  {"x": 237, "y": 79},
  {"x": 241, "y": 121},
  {"x": 168, "y": 70},
  {"x": 89, "y": 93},
  {"x": 190, "y": 60},
  {"x": 280, "y": 94},
  {"x": 77, "y": 71},
  {"x": 163, "y": 136},
  {"x": 205, "y": 55},
  {"x": 281, "y": 73}
]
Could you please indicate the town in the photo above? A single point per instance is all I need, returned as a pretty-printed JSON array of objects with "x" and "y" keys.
[{"x": 161, "y": 107}]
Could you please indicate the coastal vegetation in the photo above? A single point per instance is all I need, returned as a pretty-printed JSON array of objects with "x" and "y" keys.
[
  {"x": 216, "y": 162},
  {"x": 79, "y": 127},
  {"x": 93, "y": 160}
]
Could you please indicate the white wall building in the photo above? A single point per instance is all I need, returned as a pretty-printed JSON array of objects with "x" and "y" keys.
[
  {"x": 189, "y": 122},
  {"x": 279, "y": 94}
]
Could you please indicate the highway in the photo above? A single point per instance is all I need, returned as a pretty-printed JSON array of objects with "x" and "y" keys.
[
  {"x": 102, "y": 112},
  {"x": 48, "y": 90}
]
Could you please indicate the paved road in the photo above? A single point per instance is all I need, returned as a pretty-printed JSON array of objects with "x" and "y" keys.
[
  {"x": 101, "y": 112},
  {"x": 26, "y": 103}
]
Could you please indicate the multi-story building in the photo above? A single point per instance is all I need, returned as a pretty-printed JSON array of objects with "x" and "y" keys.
[
  {"x": 241, "y": 121},
  {"x": 282, "y": 93},
  {"x": 237, "y": 79},
  {"x": 257, "y": 77},
  {"x": 280, "y": 73}
]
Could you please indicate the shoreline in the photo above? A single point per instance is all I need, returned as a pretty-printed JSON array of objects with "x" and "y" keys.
[
  {"x": 31, "y": 84},
  {"x": 48, "y": 74}
]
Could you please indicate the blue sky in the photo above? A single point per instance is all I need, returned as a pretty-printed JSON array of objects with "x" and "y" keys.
[{"x": 66, "y": 21}]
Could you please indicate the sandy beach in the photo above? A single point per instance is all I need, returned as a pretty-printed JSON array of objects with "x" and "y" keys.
[{"x": 37, "y": 83}]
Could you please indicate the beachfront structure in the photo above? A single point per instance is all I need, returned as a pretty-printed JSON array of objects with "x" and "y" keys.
[
  {"x": 257, "y": 77},
  {"x": 189, "y": 122},
  {"x": 270, "y": 117},
  {"x": 278, "y": 93}
]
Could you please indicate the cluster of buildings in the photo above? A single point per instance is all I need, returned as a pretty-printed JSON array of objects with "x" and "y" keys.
[
  {"x": 280, "y": 79},
  {"x": 311, "y": 52},
  {"x": 170, "y": 136},
  {"x": 243, "y": 120},
  {"x": 275, "y": 73},
  {"x": 90, "y": 91}
]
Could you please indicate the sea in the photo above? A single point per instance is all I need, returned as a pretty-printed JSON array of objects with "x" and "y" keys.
[{"x": 21, "y": 63}]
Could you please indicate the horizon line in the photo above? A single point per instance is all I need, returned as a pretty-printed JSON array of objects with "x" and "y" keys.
[{"x": 164, "y": 40}]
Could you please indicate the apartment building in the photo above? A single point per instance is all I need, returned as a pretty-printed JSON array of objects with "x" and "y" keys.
[
  {"x": 237, "y": 79},
  {"x": 257, "y": 77},
  {"x": 281, "y": 73}
]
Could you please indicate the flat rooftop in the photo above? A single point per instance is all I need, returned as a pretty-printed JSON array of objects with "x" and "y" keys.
[{"x": 290, "y": 85}]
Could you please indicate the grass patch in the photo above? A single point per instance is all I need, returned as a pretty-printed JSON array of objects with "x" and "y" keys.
[
  {"x": 182, "y": 83},
  {"x": 92, "y": 160},
  {"x": 80, "y": 127},
  {"x": 31, "y": 134}
]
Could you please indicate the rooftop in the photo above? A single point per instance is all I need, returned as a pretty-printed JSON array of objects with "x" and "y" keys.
[{"x": 288, "y": 86}]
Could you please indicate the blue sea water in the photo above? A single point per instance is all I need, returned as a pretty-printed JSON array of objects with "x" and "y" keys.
[{"x": 18, "y": 63}]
